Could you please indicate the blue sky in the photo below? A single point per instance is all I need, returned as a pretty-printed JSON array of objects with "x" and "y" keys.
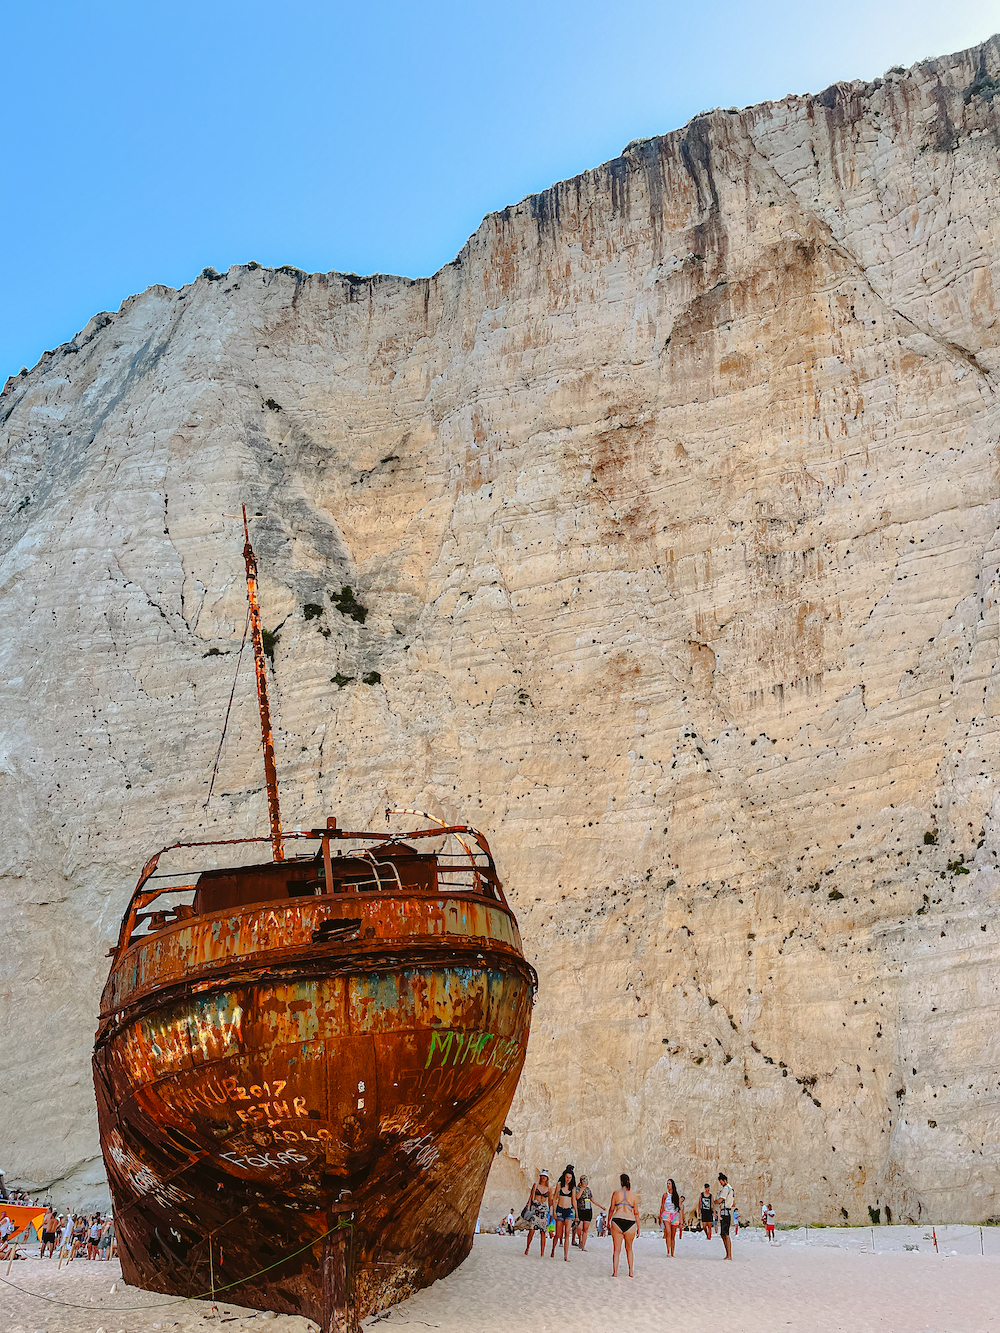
[{"x": 145, "y": 141}]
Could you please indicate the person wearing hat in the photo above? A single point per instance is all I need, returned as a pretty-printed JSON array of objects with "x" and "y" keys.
[{"x": 536, "y": 1210}]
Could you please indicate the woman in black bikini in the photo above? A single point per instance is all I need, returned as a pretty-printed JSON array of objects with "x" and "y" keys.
[
  {"x": 623, "y": 1214},
  {"x": 565, "y": 1204}
]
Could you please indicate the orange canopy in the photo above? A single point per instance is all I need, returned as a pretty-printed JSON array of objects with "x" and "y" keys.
[{"x": 23, "y": 1216}]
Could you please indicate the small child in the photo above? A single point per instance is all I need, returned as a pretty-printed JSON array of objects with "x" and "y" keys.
[
  {"x": 769, "y": 1222},
  {"x": 736, "y": 1222}
]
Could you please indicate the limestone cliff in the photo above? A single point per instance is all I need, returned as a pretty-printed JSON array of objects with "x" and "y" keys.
[{"x": 673, "y": 503}]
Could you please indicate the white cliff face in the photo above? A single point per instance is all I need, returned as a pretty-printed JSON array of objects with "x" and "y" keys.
[{"x": 673, "y": 503}]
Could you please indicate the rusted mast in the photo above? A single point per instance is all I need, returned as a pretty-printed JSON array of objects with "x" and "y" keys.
[{"x": 270, "y": 773}]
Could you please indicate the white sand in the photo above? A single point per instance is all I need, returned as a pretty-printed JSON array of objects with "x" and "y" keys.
[
  {"x": 815, "y": 1281},
  {"x": 87, "y": 1284}
]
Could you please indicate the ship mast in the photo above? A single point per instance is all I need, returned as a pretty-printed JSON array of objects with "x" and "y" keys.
[{"x": 270, "y": 774}]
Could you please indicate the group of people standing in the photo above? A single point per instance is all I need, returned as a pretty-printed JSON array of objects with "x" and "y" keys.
[
  {"x": 78, "y": 1236},
  {"x": 73, "y": 1236},
  {"x": 572, "y": 1206},
  {"x": 719, "y": 1212}
]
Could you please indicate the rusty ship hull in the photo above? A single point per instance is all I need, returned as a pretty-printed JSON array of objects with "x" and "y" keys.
[{"x": 300, "y": 1098}]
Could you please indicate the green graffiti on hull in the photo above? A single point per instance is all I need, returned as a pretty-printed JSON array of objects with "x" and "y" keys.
[{"x": 474, "y": 1048}]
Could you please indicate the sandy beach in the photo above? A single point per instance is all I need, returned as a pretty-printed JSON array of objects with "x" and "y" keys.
[{"x": 818, "y": 1281}]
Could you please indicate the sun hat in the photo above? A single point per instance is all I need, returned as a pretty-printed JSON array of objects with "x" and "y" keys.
[{"x": 544, "y": 1173}]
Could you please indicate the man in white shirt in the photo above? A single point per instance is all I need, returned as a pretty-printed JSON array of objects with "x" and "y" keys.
[{"x": 725, "y": 1202}]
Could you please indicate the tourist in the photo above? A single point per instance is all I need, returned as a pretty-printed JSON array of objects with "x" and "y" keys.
[
  {"x": 623, "y": 1216},
  {"x": 584, "y": 1210},
  {"x": 726, "y": 1202},
  {"x": 601, "y": 1226},
  {"x": 670, "y": 1216},
  {"x": 536, "y": 1210},
  {"x": 706, "y": 1210},
  {"x": 50, "y": 1225},
  {"x": 510, "y": 1222},
  {"x": 94, "y": 1235},
  {"x": 564, "y": 1202},
  {"x": 769, "y": 1222},
  {"x": 107, "y": 1235},
  {"x": 79, "y": 1236}
]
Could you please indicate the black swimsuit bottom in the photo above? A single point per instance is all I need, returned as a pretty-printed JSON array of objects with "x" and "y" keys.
[{"x": 623, "y": 1223}]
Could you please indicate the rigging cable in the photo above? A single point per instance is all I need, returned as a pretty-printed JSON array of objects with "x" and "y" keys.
[{"x": 225, "y": 724}]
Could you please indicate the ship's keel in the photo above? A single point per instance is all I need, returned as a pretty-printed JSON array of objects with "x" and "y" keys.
[{"x": 339, "y": 1306}]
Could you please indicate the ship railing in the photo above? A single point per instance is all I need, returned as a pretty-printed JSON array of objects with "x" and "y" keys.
[
  {"x": 468, "y": 871},
  {"x": 166, "y": 912},
  {"x": 466, "y": 878}
]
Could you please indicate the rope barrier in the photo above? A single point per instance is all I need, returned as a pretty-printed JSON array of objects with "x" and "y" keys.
[{"x": 180, "y": 1300}]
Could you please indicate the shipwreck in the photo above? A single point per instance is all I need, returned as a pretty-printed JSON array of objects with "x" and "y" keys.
[{"x": 303, "y": 1064}]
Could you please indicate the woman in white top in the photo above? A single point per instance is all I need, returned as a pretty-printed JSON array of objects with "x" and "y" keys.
[
  {"x": 623, "y": 1216},
  {"x": 670, "y": 1216}
]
